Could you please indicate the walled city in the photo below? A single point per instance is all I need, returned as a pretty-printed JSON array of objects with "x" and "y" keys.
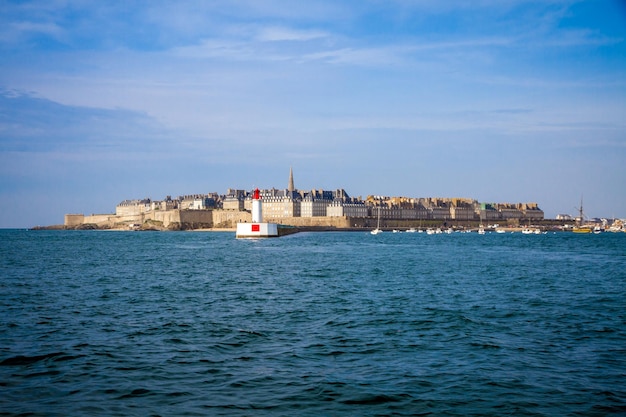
[{"x": 310, "y": 208}]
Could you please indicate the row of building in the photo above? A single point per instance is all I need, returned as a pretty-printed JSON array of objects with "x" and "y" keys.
[{"x": 291, "y": 202}]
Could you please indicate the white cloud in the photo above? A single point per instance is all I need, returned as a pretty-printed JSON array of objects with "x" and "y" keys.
[
  {"x": 574, "y": 38},
  {"x": 18, "y": 31},
  {"x": 217, "y": 48},
  {"x": 277, "y": 33}
]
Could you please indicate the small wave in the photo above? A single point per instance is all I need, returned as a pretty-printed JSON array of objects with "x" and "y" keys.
[
  {"x": 377, "y": 399},
  {"x": 485, "y": 345},
  {"x": 251, "y": 332},
  {"x": 177, "y": 394},
  {"x": 67, "y": 358},
  {"x": 27, "y": 360},
  {"x": 139, "y": 392},
  {"x": 45, "y": 373}
]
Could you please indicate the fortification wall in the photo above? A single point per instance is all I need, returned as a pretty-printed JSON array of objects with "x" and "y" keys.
[
  {"x": 129, "y": 219},
  {"x": 166, "y": 217},
  {"x": 73, "y": 220},
  {"x": 196, "y": 218},
  {"x": 100, "y": 219},
  {"x": 329, "y": 222},
  {"x": 230, "y": 218}
]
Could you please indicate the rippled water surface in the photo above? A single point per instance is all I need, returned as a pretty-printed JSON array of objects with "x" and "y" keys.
[{"x": 191, "y": 323}]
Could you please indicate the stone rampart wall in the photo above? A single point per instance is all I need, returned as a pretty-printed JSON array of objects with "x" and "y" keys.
[
  {"x": 230, "y": 218},
  {"x": 196, "y": 218},
  {"x": 204, "y": 219},
  {"x": 167, "y": 217},
  {"x": 99, "y": 219},
  {"x": 330, "y": 222},
  {"x": 128, "y": 219},
  {"x": 73, "y": 220}
]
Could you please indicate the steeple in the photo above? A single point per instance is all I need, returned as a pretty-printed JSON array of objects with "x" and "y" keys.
[{"x": 290, "y": 188}]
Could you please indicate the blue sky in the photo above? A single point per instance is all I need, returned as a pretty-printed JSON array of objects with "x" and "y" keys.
[{"x": 502, "y": 101}]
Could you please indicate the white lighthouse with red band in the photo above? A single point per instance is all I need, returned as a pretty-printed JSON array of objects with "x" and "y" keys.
[
  {"x": 257, "y": 208},
  {"x": 256, "y": 229}
]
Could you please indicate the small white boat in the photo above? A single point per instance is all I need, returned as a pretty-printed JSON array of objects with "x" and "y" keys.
[{"x": 377, "y": 230}]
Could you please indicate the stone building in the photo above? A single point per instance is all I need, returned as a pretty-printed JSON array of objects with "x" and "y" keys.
[
  {"x": 339, "y": 208},
  {"x": 531, "y": 211},
  {"x": 313, "y": 207},
  {"x": 277, "y": 207},
  {"x": 233, "y": 202},
  {"x": 196, "y": 202},
  {"x": 133, "y": 207}
]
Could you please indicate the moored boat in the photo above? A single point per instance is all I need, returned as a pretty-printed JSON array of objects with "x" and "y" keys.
[
  {"x": 377, "y": 230},
  {"x": 580, "y": 226}
]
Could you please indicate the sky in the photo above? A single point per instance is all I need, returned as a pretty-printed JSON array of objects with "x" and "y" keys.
[{"x": 495, "y": 100}]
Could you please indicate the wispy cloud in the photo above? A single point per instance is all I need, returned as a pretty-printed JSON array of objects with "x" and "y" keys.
[
  {"x": 219, "y": 82},
  {"x": 278, "y": 33},
  {"x": 33, "y": 124},
  {"x": 20, "y": 31},
  {"x": 577, "y": 38}
]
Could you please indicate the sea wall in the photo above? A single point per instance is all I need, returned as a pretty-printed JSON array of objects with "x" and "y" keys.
[
  {"x": 325, "y": 222},
  {"x": 199, "y": 219},
  {"x": 165, "y": 219},
  {"x": 99, "y": 219},
  {"x": 230, "y": 218},
  {"x": 194, "y": 219},
  {"x": 73, "y": 220}
]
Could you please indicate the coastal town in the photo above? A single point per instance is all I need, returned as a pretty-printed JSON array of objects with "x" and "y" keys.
[{"x": 319, "y": 209}]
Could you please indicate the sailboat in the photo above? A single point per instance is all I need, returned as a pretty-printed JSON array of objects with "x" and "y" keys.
[
  {"x": 481, "y": 228},
  {"x": 580, "y": 227},
  {"x": 377, "y": 230}
]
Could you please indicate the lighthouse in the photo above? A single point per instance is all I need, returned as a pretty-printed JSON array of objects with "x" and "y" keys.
[
  {"x": 257, "y": 208},
  {"x": 256, "y": 229}
]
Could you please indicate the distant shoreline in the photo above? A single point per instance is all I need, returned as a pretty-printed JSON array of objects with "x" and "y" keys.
[{"x": 551, "y": 226}]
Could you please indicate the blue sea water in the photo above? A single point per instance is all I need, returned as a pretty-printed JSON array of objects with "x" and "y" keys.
[{"x": 102, "y": 323}]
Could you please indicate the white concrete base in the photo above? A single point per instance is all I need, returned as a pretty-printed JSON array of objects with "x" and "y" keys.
[{"x": 256, "y": 230}]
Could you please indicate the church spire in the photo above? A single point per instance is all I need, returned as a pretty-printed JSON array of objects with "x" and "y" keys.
[{"x": 290, "y": 188}]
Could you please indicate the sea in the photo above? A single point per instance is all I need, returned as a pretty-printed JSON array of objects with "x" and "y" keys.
[{"x": 111, "y": 323}]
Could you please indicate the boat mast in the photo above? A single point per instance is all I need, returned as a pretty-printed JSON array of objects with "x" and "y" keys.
[{"x": 580, "y": 211}]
